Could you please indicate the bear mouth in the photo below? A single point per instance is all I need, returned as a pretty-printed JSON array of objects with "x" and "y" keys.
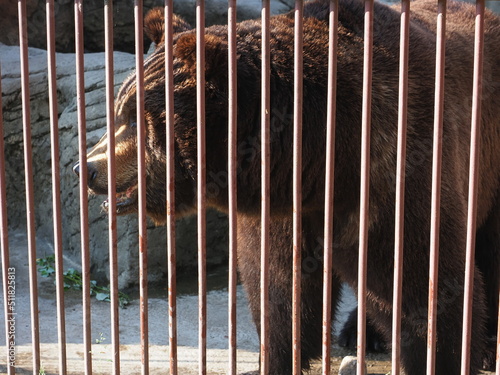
[{"x": 126, "y": 202}]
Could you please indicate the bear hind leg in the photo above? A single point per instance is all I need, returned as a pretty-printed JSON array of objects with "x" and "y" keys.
[
  {"x": 280, "y": 290},
  {"x": 449, "y": 329}
]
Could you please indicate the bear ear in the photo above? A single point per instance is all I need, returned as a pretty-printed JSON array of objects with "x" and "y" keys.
[
  {"x": 215, "y": 53},
  {"x": 154, "y": 25}
]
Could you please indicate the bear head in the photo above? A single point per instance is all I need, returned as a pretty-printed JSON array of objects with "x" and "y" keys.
[{"x": 155, "y": 115}]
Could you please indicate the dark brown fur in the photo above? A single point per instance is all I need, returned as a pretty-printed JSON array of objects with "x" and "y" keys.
[{"x": 458, "y": 89}]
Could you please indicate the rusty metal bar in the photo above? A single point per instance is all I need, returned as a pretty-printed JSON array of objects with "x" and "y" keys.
[
  {"x": 84, "y": 214},
  {"x": 8, "y": 273},
  {"x": 28, "y": 170},
  {"x": 400, "y": 186},
  {"x": 473, "y": 186},
  {"x": 365, "y": 184},
  {"x": 112, "y": 228},
  {"x": 297, "y": 185},
  {"x": 329, "y": 183},
  {"x": 172, "y": 272},
  {"x": 436, "y": 186},
  {"x": 56, "y": 184},
  {"x": 265, "y": 182},
  {"x": 141, "y": 182},
  {"x": 232, "y": 181},
  {"x": 201, "y": 196}
]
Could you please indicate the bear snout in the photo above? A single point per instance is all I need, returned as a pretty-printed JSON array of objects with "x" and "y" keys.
[
  {"x": 76, "y": 169},
  {"x": 92, "y": 172}
]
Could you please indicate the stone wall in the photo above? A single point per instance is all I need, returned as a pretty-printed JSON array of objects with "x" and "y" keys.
[
  {"x": 123, "y": 18},
  {"x": 216, "y": 12},
  {"x": 68, "y": 133}
]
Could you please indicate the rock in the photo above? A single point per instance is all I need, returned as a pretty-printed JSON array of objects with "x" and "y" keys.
[
  {"x": 349, "y": 365},
  {"x": 123, "y": 20},
  {"x": 68, "y": 141},
  {"x": 216, "y": 12}
]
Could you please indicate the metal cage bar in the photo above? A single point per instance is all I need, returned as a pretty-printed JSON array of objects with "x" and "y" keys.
[
  {"x": 56, "y": 184},
  {"x": 171, "y": 255},
  {"x": 297, "y": 185},
  {"x": 232, "y": 181},
  {"x": 112, "y": 224},
  {"x": 201, "y": 185},
  {"x": 141, "y": 179},
  {"x": 436, "y": 186},
  {"x": 84, "y": 215},
  {"x": 28, "y": 170},
  {"x": 265, "y": 182},
  {"x": 400, "y": 186},
  {"x": 365, "y": 184},
  {"x": 265, "y": 361},
  {"x": 473, "y": 186},
  {"x": 329, "y": 184}
]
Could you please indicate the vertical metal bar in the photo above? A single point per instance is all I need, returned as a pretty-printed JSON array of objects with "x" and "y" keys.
[
  {"x": 400, "y": 186},
  {"x": 297, "y": 185},
  {"x": 28, "y": 170},
  {"x": 56, "y": 184},
  {"x": 436, "y": 186},
  {"x": 141, "y": 177},
  {"x": 84, "y": 215},
  {"x": 112, "y": 229},
  {"x": 473, "y": 186},
  {"x": 365, "y": 184},
  {"x": 232, "y": 181},
  {"x": 172, "y": 272},
  {"x": 9, "y": 309},
  {"x": 329, "y": 184},
  {"x": 200, "y": 108},
  {"x": 265, "y": 201}
]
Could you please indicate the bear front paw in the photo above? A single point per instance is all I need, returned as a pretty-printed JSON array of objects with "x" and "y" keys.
[{"x": 348, "y": 335}]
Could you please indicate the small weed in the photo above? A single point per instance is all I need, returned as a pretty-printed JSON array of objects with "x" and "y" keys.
[
  {"x": 101, "y": 338},
  {"x": 46, "y": 265},
  {"x": 72, "y": 279}
]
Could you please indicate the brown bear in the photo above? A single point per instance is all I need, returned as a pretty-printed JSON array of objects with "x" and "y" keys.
[{"x": 457, "y": 119}]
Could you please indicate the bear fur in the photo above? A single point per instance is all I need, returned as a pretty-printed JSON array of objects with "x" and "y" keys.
[{"x": 455, "y": 167}]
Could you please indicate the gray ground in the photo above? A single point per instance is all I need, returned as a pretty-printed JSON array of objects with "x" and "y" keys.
[
  {"x": 129, "y": 325},
  {"x": 130, "y": 350}
]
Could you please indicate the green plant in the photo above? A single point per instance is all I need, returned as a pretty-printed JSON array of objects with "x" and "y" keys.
[
  {"x": 101, "y": 338},
  {"x": 72, "y": 279},
  {"x": 46, "y": 265}
]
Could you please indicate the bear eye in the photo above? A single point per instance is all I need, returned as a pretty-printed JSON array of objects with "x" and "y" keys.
[{"x": 133, "y": 124}]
